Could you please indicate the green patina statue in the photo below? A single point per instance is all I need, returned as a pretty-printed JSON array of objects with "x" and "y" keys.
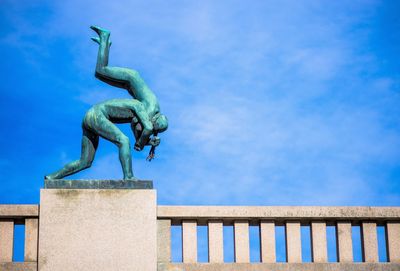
[{"x": 143, "y": 112}]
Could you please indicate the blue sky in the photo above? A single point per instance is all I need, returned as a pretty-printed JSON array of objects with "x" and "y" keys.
[{"x": 269, "y": 102}]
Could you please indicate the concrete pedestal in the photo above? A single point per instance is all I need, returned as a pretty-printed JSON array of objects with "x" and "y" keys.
[{"x": 97, "y": 229}]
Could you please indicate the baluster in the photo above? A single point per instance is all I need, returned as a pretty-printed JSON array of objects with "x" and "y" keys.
[
  {"x": 267, "y": 237},
  {"x": 6, "y": 240},
  {"x": 242, "y": 245},
  {"x": 189, "y": 241},
  {"x": 393, "y": 241},
  {"x": 319, "y": 245},
  {"x": 31, "y": 239},
  {"x": 293, "y": 242},
  {"x": 164, "y": 240},
  {"x": 345, "y": 245},
  {"x": 215, "y": 242},
  {"x": 369, "y": 242}
]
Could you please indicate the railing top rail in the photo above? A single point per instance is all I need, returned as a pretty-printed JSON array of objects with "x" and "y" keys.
[
  {"x": 279, "y": 213},
  {"x": 19, "y": 210}
]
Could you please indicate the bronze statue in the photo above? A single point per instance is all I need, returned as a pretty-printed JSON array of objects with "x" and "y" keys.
[{"x": 143, "y": 112}]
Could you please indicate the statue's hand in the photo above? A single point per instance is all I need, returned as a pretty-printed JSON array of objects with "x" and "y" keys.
[
  {"x": 154, "y": 141},
  {"x": 137, "y": 147}
]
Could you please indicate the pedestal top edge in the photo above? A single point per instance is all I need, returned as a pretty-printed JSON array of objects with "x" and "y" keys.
[{"x": 97, "y": 184}]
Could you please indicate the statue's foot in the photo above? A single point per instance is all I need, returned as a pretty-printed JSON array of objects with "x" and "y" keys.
[
  {"x": 96, "y": 40},
  {"x": 103, "y": 33},
  {"x": 133, "y": 178}
]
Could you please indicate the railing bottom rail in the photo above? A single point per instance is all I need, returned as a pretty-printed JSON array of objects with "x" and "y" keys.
[
  {"x": 18, "y": 266},
  {"x": 279, "y": 266}
]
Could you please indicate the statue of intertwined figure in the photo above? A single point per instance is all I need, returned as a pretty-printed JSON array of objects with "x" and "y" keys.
[{"x": 143, "y": 112}]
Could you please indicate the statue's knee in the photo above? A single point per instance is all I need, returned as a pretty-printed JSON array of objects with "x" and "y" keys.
[
  {"x": 134, "y": 73},
  {"x": 99, "y": 73},
  {"x": 86, "y": 164},
  {"x": 123, "y": 141}
]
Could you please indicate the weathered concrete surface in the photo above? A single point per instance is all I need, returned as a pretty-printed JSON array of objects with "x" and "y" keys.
[
  {"x": 215, "y": 241},
  {"x": 344, "y": 242},
  {"x": 241, "y": 241},
  {"x": 163, "y": 240},
  {"x": 369, "y": 242},
  {"x": 31, "y": 239},
  {"x": 278, "y": 213},
  {"x": 18, "y": 210},
  {"x": 267, "y": 240},
  {"x": 189, "y": 241},
  {"x": 319, "y": 251},
  {"x": 6, "y": 240},
  {"x": 97, "y": 184},
  {"x": 393, "y": 241},
  {"x": 281, "y": 267},
  {"x": 18, "y": 266},
  {"x": 293, "y": 242},
  {"x": 97, "y": 230}
]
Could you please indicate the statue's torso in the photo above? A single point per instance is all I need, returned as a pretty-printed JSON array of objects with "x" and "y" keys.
[{"x": 116, "y": 110}]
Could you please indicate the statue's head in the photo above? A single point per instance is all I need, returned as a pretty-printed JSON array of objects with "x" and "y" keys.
[{"x": 160, "y": 122}]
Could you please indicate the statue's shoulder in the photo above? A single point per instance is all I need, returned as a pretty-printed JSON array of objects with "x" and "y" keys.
[
  {"x": 122, "y": 103},
  {"x": 114, "y": 102}
]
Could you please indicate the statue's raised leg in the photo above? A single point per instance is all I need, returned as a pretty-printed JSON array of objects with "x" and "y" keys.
[
  {"x": 115, "y": 76},
  {"x": 90, "y": 141},
  {"x": 104, "y": 46}
]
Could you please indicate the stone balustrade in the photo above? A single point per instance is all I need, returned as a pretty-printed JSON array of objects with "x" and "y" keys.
[
  {"x": 241, "y": 217},
  {"x": 11, "y": 215}
]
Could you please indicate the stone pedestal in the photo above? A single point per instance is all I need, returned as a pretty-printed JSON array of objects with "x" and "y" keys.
[{"x": 97, "y": 229}]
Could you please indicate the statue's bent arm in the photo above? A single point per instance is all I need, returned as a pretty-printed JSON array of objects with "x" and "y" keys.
[
  {"x": 147, "y": 126},
  {"x": 143, "y": 140}
]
